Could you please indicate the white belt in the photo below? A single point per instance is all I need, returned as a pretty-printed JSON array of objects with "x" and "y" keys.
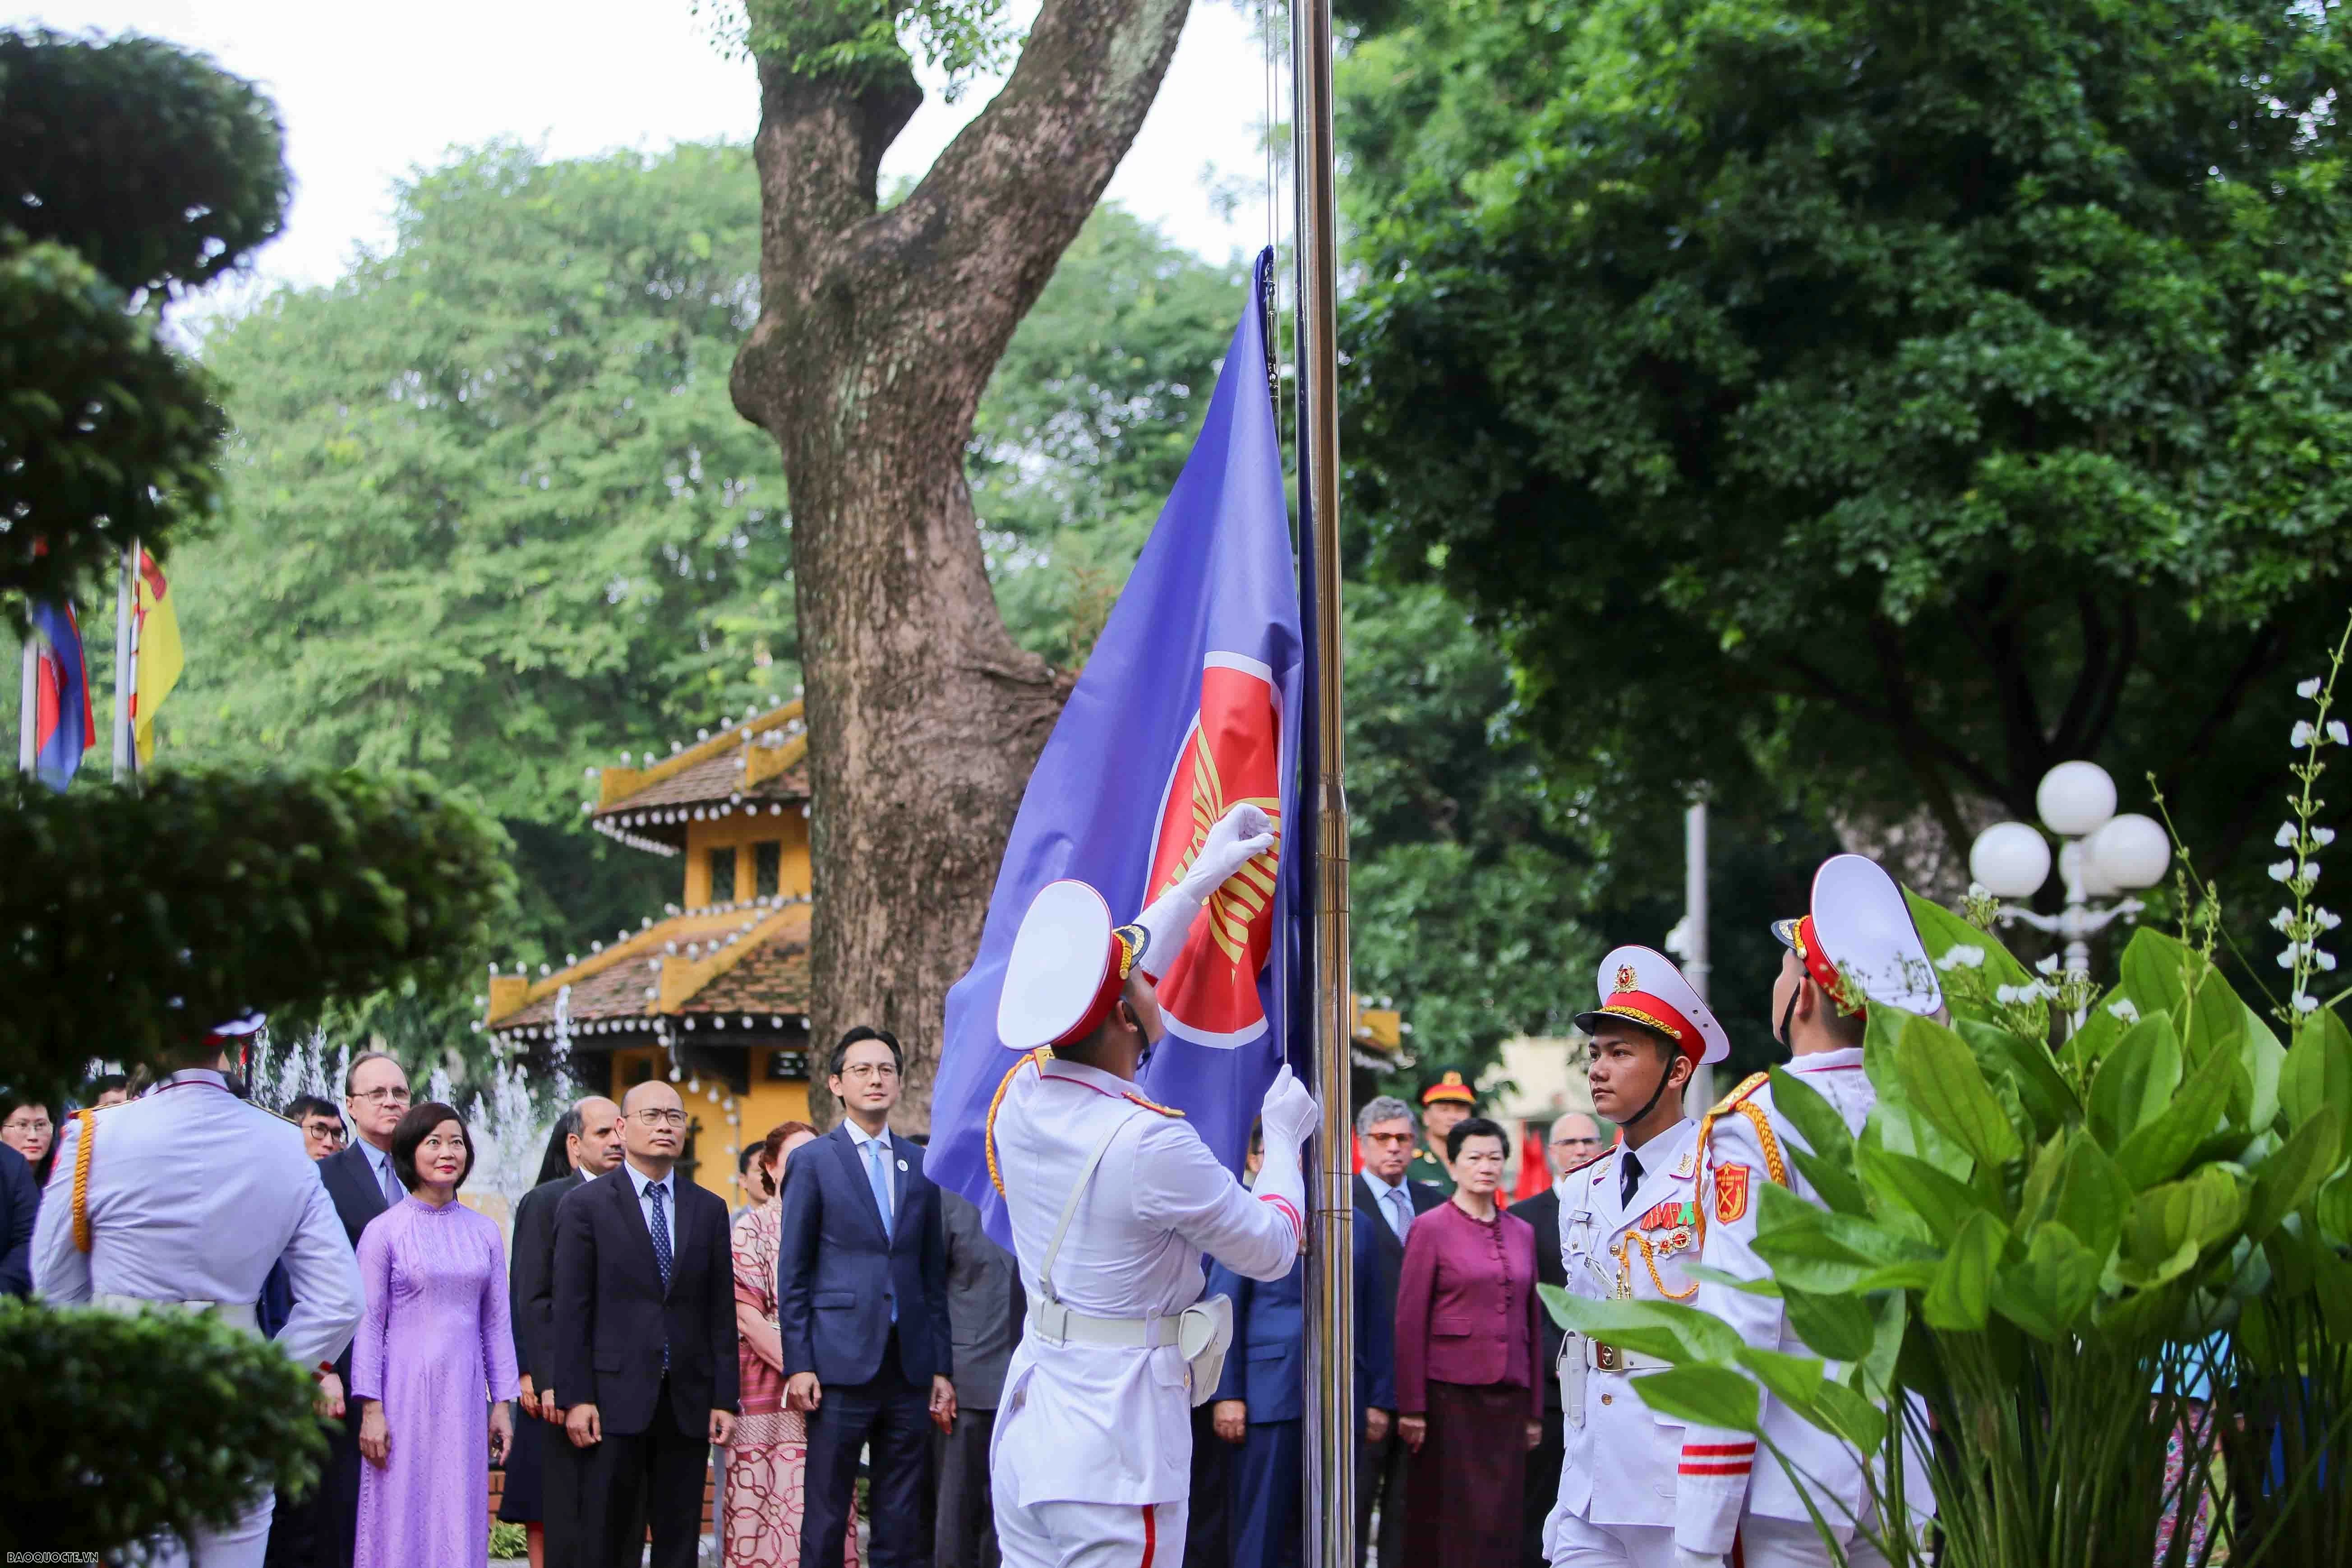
[
  {"x": 1057, "y": 1324},
  {"x": 1601, "y": 1356},
  {"x": 236, "y": 1314}
]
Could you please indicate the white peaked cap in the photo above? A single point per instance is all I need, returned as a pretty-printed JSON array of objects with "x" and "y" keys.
[
  {"x": 1644, "y": 987},
  {"x": 1864, "y": 933},
  {"x": 1067, "y": 965}
]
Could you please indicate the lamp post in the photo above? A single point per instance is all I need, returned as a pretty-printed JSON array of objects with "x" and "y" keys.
[{"x": 2100, "y": 856}]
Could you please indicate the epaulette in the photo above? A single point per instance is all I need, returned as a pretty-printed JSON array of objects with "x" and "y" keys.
[
  {"x": 1036, "y": 1058},
  {"x": 1741, "y": 1101},
  {"x": 1154, "y": 1105},
  {"x": 1590, "y": 1159}
]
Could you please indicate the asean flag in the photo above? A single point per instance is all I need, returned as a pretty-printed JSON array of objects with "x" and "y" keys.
[{"x": 1192, "y": 701}]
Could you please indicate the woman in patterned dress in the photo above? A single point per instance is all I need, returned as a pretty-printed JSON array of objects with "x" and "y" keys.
[{"x": 766, "y": 1467}]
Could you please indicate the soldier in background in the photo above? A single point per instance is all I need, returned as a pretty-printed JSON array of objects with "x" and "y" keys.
[
  {"x": 181, "y": 1201},
  {"x": 1856, "y": 950},
  {"x": 1444, "y": 1106}
]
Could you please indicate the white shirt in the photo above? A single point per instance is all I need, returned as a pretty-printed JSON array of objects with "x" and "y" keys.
[
  {"x": 644, "y": 1186},
  {"x": 1103, "y": 1423},
  {"x": 193, "y": 1195}
]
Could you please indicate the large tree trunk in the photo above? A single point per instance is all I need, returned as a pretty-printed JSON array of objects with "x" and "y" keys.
[{"x": 878, "y": 333}]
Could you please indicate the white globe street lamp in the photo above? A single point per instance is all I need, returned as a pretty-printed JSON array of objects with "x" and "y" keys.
[{"x": 2100, "y": 855}]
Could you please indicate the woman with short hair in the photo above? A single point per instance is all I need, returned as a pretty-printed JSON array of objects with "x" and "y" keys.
[
  {"x": 26, "y": 1127},
  {"x": 1467, "y": 1363},
  {"x": 434, "y": 1350}
]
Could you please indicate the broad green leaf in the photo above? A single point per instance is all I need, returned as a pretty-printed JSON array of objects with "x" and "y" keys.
[
  {"x": 2155, "y": 1150},
  {"x": 2332, "y": 1290},
  {"x": 2195, "y": 1211},
  {"x": 1817, "y": 1122},
  {"x": 1942, "y": 1083},
  {"x": 2264, "y": 1058},
  {"x": 2317, "y": 1072},
  {"x": 2135, "y": 1080},
  {"x": 1956, "y": 1300},
  {"x": 1877, "y": 1370},
  {"x": 2028, "y": 1065},
  {"x": 1792, "y": 1379},
  {"x": 2288, "y": 1178},
  {"x": 2334, "y": 1209},
  {"x": 2101, "y": 1028},
  {"x": 2048, "y": 1293},
  {"x": 1833, "y": 1182},
  {"x": 1663, "y": 1328},
  {"x": 1850, "y": 1416},
  {"x": 2158, "y": 971},
  {"x": 1944, "y": 1203},
  {"x": 1705, "y": 1276},
  {"x": 2092, "y": 1196},
  {"x": 1702, "y": 1397},
  {"x": 2043, "y": 1170},
  {"x": 1836, "y": 1327}
]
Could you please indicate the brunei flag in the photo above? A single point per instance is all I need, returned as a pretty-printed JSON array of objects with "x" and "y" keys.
[{"x": 157, "y": 631}]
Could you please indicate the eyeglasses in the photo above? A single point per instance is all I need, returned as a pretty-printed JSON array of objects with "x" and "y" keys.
[
  {"x": 382, "y": 1096},
  {"x": 27, "y": 1124},
  {"x": 658, "y": 1117},
  {"x": 1576, "y": 1142},
  {"x": 1400, "y": 1138},
  {"x": 874, "y": 1071}
]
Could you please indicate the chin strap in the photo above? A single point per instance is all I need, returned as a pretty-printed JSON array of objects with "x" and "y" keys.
[{"x": 1665, "y": 1075}]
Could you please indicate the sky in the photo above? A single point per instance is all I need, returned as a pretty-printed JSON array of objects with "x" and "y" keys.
[{"x": 367, "y": 95}]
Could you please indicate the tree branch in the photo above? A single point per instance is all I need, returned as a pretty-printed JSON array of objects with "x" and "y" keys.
[
  {"x": 1859, "y": 706},
  {"x": 1909, "y": 737},
  {"x": 2261, "y": 657},
  {"x": 2091, "y": 681}
]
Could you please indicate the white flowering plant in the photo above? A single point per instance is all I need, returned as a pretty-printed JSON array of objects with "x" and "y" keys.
[{"x": 2302, "y": 920}]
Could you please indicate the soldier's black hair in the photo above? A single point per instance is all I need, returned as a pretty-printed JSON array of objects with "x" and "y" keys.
[{"x": 866, "y": 1032}]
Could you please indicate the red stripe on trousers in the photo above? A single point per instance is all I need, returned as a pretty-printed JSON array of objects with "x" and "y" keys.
[{"x": 1151, "y": 1535}]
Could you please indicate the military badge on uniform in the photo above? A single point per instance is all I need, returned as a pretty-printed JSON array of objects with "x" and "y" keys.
[{"x": 1730, "y": 1193}]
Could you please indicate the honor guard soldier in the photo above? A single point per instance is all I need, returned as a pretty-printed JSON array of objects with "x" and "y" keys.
[
  {"x": 1858, "y": 948},
  {"x": 181, "y": 1201},
  {"x": 1112, "y": 1200},
  {"x": 1628, "y": 1222},
  {"x": 1444, "y": 1106}
]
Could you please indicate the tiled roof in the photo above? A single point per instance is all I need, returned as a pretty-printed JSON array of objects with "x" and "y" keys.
[{"x": 740, "y": 958}]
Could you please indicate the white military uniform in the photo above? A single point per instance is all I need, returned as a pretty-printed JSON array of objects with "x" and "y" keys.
[
  {"x": 1091, "y": 1461},
  {"x": 1617, "y": 1475},
  {"x": 191, "y": 1194},
  {"x": 1859, "y": 934}
]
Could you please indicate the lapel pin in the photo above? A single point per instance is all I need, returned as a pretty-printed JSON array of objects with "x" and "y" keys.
[{"x": 902, "y": 1164}]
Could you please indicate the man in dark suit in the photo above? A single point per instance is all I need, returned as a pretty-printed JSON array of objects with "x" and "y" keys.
[
  {"x": 862, "y": 1304},
  {"x": 643, "y": 1324},
  {"x": 1385, "y": 1129},
  {"x": 20, "y": 1204},
  {"x": 985, "y": 1307},
  {"x": 591, "y": 1138},
  {"x": 362, "y": 1185},
  {"x": 1575, "y": 1139}
]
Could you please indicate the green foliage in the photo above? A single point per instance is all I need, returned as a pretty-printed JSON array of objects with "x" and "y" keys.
[
  {"x": 105, "y": 434},
  {"x": 1882, "y": 401},
  {"x": 2046, "y": 1242},
  {"x": 160, "y": 168},
  {"x": 130, "y": 1425},
  {"x": 867, "y": 40},
  {"x": 135, "y": 921}
]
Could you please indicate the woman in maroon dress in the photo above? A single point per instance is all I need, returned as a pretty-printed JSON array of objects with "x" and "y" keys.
[
  {"x": 1467, "y": 1370},
  {"x": 766, "y": 1465}
]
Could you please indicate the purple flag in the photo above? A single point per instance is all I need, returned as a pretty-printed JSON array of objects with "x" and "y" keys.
[{"x": 1192, "y": 702}]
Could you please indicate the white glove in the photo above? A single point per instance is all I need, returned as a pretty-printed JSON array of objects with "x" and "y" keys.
[
  {"x": 1686, "y": 1558},
  {"x": 1289, "y": 1115},
  {"x": 1240, "y": 836}
]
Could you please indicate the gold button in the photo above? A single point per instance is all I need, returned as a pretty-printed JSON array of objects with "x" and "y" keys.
[{"x": 1608, "y": 1399}]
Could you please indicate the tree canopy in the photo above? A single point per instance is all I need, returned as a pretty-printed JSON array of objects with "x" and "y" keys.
[{"x": 1873, "y": 402}]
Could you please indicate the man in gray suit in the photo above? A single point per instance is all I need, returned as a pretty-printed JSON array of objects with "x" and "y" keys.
[{"x": 985, "y": 1307}]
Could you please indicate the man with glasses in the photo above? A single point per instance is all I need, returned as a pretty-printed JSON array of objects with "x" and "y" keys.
[
  {"x": 862, "y": 1304},
  {"x": 1385, "y": 1134},
  {"x": 1575, "y": 1139},
  {"x": 360, "y": 1180},
  {"x": 321, "y": 1124}
]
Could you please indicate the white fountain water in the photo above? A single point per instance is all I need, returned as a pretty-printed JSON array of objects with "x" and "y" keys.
[{"x": 281, "y": 1073}]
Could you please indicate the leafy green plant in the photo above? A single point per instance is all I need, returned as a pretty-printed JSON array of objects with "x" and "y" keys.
[
  {"x": 122, "y": 1427},
  {"x": 2026, "y": 1265}
]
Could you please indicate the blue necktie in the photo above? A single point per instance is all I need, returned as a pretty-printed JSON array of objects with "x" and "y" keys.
[
  {"x": 661, "y": 1255},
  {"x": 1400, "y": 1212},
  {"x": 392, "y": 1192},
  {"x": 878, "y": 1172}
]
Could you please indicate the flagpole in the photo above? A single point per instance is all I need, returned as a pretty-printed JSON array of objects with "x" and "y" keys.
[
  {"x": 126, "y": 659},
  {"x": 1329, "y": 1504},
  {"x": 29, "y": 690}
]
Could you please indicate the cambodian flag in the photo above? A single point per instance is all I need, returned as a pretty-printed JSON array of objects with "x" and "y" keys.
[
  {"x": 1192, "y": 702},
  {"x": 63, "y": 727}
]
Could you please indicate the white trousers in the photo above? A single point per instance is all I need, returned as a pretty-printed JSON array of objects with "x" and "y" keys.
[
  {"x": 1795, "y": 1543},
  {"x": 1576, "y": 1543},
  {"x": 239, "y": 1546},
  {"x": 1088, "y": 1534}
]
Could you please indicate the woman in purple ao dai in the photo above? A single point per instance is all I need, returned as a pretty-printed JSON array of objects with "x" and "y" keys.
[{"x": 433, "y": 1352}]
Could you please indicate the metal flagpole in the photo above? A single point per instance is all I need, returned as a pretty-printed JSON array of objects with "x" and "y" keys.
[
  {"x": 126, "y": 660},
  {"x": 29, "y": 694},
  {"x": 1329, "y": 1506},
  {"x": 1700, "y": 1094}
]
